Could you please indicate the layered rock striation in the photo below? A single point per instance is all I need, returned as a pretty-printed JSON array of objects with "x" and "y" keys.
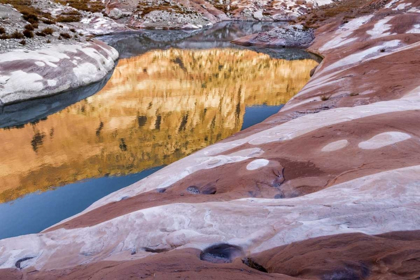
[
  {"x": 328, "y": 188},
  {"x": 53, "y": 69},
  {"x": 45, "y": 49}
]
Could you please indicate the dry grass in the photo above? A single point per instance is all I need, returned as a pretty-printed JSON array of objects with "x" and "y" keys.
[
  {"x": 145, "y": 9},
  {"x": 69, "y": 18},
  {"x": 28, "y": 33},
  {"x": 65, "y": 35},
  {"x": 48, "y": 21},
  {"x": 84, "y": 5},
  {"x": 28, "y": 12},
  {"x": 29, "y": 27},
  {"x": 48, "y": 31},
  {"x": 346, "y": 9},
  {"x": 224, "y": 8},
  {"x": 73, "y": 16},
  {"x": 17, "y": 35}
]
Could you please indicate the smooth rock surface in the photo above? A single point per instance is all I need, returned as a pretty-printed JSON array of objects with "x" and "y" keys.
[
  {"x": 46, "y": 71},
  {"x": 350, "y": 213}
]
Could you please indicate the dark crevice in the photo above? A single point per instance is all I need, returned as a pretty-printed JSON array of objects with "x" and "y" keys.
[
  {"x": 19, "y": 262},
  {"x": 151, "y": 250},
  {"x": 254, "y": 265}
]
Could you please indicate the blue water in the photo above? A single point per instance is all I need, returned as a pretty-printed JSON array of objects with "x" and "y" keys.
[
  {"x": 38, "y": 211},
  {"x": 257, "y": 114}
]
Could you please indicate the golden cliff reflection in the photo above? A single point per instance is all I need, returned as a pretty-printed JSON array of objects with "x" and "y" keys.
[{"x": 157, "y": 108}]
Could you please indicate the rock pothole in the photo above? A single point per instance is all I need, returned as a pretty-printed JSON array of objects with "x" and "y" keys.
[{"x": 221, "y": 253}]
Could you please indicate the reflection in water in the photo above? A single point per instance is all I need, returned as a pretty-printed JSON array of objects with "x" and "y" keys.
[{"x": 156, "y": 108}]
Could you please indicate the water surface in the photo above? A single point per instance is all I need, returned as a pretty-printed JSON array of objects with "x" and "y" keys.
[{"x": 165, "y": 99}]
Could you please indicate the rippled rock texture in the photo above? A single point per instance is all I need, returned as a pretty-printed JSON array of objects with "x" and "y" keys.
[{"x": 326, "y": 189}]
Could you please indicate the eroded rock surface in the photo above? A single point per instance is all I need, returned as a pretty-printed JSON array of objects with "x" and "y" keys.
[
  {"x": 290, "y": 36},
  {"x": 328, "y": 188},
  {"x": 31, "y": 74},
  {"x": 45, "y": 47},
  {"x": 192, "y": 14}
]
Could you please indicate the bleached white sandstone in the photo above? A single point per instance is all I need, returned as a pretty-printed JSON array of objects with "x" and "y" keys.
[
  {"x": 334, "y": 146},
  {"x": 257, "y": 164},
  {"x": 342, "y": 35},
  {"x": 284, "y": 132},
  {"x": 374, "y": 204},
  {"x": 365, "y": 55},
  {"x": 380, "y": 28},
  {"x": 51, "y": 63},
  {"x": 384, "y": 139}
]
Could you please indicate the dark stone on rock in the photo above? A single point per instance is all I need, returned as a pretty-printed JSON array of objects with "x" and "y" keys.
[
  {"x": 221, "y": 253},
  {"x": 207, "y": 189},
  {"x": 278, "y": 196},
  {"x": 162, "y": 190},
  {"x": 193, "y": 190}
]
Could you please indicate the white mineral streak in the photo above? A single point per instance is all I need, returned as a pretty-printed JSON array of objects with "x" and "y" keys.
[
  {"x": 257, "y": 164},
  {"x": 334, "y": 146},
  {"x": 22, "y": 85},
  {"x": 384, "y": 139},
  {"x": 374, "y": 204}
]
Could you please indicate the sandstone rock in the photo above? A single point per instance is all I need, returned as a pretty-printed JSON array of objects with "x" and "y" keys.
[
  {"x": 116, "y": 13},
  {"x": 53, "y": 69},
  {"x": 348, "y": 176},
  {"x": 290, "y": 36}
]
